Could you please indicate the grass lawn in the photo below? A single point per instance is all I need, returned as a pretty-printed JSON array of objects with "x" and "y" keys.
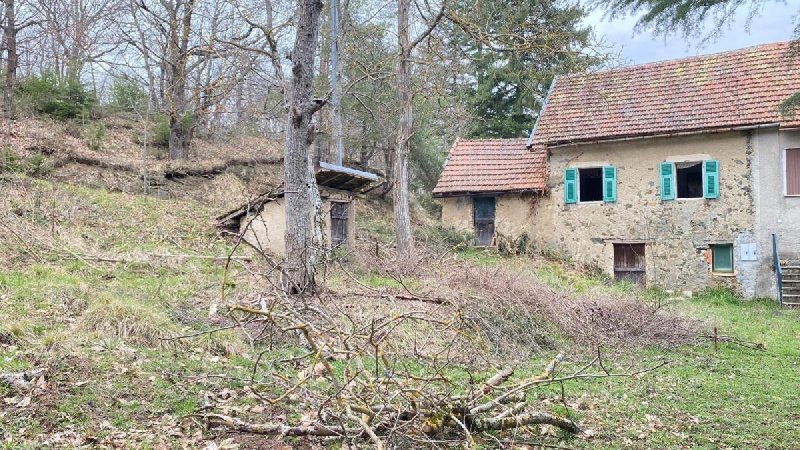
[
  {"x": 98, "y": 327},
  {"x": 735, "y": 397}
]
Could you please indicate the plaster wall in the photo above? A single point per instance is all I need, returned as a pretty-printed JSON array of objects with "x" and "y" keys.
[
  {"x": 677, "y": 233},
  {"x": 457, "y": 213},
  {"x": 267, "y": 230},
  {"x": 775, "y": 212},
  {"x": 513, "y": 214}
]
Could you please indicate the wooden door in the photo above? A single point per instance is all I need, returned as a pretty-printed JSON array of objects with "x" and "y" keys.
[
  {"x": 339, "y": 218},
  {"x": 483, "y": 211},
  {"x": 629, "y": 263}
]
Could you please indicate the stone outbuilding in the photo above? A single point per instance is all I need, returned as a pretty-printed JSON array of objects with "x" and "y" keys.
[
  {"x": 674, "y": 174},
  {"x": 489, "y": 187},
  {"x": 262, "y": 221}
]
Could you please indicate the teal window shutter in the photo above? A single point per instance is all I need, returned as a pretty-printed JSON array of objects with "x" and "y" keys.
[
  {"x": 571, "y": 186},
  {"x": 711, "y": 179},
  {"x": 609, "y": 184},
  {"x": 667, "y": 172}
]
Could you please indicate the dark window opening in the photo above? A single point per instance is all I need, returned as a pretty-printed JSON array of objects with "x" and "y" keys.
[
  {"x": 591, "y": 184},
  {"x": 690, "y": 180}
]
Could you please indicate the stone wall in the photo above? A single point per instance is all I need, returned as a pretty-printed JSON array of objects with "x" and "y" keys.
[
  {"x": 775, "y": 212},
  {"x": 677, "y": 233}
]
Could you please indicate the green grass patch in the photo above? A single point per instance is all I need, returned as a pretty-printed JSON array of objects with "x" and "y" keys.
[
  {"x": 482, "y": 256},
  {"x": 378, "y": 281}
]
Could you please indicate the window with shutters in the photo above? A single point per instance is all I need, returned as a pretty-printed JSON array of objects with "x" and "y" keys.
[
  {"x": 590, "y": 185},
  {"x": 722, "y": 258},
  {"x": 697, "y": 179},
  {"x": 793, "y": 171},
  {"x": 689, "y": 179}
]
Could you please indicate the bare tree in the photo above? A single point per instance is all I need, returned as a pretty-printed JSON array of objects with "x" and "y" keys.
[
  {"x": 80, "y": 32},
  {"x": 402, "y": 215},
  {"x": 300, "y": 188},
  {"x": 10, "y": 33}
]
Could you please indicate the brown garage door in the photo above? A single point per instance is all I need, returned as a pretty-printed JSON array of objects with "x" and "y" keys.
[{"x": 629, "y": 263}]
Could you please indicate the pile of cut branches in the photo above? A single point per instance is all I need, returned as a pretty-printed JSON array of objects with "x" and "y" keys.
[{"x": 353, "y": 384}]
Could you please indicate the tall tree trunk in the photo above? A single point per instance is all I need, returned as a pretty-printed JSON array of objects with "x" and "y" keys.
[
  {"x": 336, "y": 89},
  {"x": 10, "y": 28},
  {"x": 402, "y": 216},
  {"x": 300, "y": 188},
  {"x": 180, "y": 132}
]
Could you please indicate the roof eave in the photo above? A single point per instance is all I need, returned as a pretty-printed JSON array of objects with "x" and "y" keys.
[
  {"x": 635, "y": 136},
  {"x": 488, "y": 192}
]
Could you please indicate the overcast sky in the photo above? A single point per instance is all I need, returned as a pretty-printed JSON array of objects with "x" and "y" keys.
[{"x": 774, "y": 23}]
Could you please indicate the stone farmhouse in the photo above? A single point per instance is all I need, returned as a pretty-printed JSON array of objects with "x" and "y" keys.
[{"x": 673, "y": 174}]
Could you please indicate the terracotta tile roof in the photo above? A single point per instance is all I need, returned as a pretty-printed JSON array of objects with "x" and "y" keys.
[
  {"x": 493, "y": 165},
  {"x": 737, "y": 88}
]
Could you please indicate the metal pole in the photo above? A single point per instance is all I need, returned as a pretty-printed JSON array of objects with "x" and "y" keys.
[{"x": 776, "y": 258}]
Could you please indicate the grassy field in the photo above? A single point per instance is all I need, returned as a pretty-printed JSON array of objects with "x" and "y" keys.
[
  {"x": 734, "y": 397},
  {"x": 102, "y": 329}
]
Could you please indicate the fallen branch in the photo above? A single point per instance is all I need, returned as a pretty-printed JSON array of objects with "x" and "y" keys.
[
  {"x": 434, "y": 300},
  {"x": 276, "y": 429},
  {"x": 534, "y": 418}
]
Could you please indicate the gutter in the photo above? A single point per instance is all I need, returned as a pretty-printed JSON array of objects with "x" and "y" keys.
[{"x": 541, "y": 111}]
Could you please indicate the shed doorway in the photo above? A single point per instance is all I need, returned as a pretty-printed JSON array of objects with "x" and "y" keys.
[
  {"x": 483, "y": 211},
  {"x": 339, "y": 215},
  {"x": 630, "y": 264}
]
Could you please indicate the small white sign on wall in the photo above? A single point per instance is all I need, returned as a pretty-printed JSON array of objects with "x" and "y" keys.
[{"x": 748, "y": 252}]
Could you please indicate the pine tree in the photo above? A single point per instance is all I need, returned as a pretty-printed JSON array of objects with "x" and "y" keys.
[{"x": 515, "y": 48}]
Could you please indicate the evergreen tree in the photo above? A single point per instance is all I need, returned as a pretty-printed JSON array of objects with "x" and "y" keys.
[{"x": 514, "y": 49}]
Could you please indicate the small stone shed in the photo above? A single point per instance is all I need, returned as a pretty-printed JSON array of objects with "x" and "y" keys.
[
  {"x": 490, "y": 187},
  {"x": 262, "y": 221}
]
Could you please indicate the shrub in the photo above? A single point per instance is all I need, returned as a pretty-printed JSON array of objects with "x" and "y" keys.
[
  {"x": 444, "y": 237},
  {"x": 58, "y": 98},
  {"x": 10, "y": 162},
  {"x": 159, "y": 130},
  {"x": 160, "y": 133},
  {"x": 37, "y": 165},
  {"x": 127, "y": 95},
  {"x": 94, "y": 135}
]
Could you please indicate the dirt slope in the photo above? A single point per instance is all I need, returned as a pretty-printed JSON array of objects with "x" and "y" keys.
[{"x": 221, "y": 172}]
